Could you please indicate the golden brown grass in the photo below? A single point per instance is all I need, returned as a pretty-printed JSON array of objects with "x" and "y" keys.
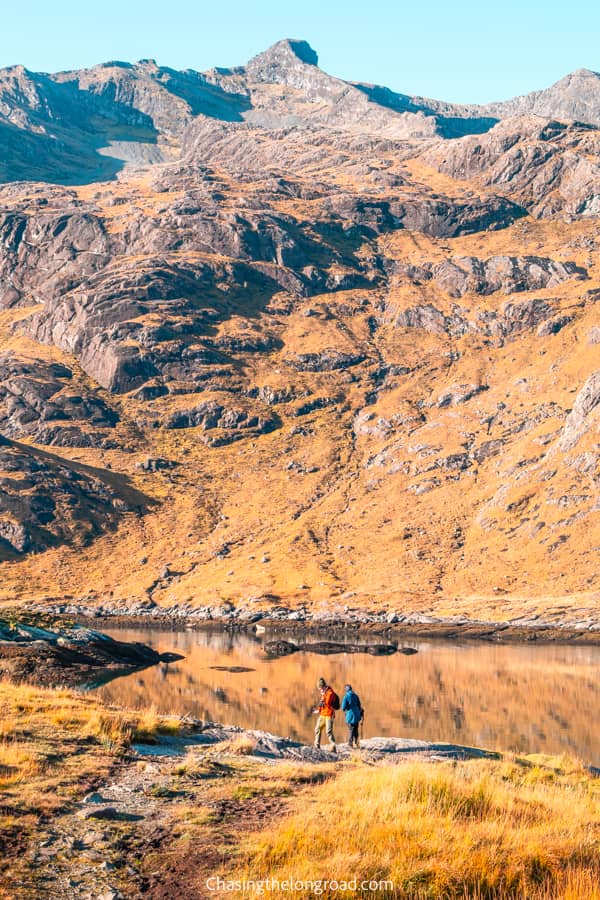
[
  {"x": 510, "y": 829},
  {"x": 55, "y": 746},
  {"x": 149, "y": 724},
  {"x": 242, "y": 745},
  {"x": 51, "y": 741}
]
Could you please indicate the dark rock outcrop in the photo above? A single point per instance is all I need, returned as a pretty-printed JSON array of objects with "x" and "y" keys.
[
  {"x": 44, "y": 254},
  {"x": 55, "y": 654},
  {"x": 231, "y": 423},
  {"x": 328, "y": 360},
  {"x": 327, "y": 648},
  {"x": 38, "y": 400}
]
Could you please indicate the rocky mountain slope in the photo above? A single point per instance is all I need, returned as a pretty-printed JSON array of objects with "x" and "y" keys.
[{"x": 268, "y": 334}]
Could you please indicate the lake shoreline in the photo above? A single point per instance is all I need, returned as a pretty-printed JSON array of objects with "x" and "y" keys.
[
  {"x": 221, "y": 671},
  {"x": 335, "y": 624},
  {"x": 519, "y": 695},
  {"x": 49, "y": 654},
  {"x": 529, "y": 631}
]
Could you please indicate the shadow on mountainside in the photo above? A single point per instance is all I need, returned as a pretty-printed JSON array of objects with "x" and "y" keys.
[
  {"x": 47, "y": 501},
  {"x": 447, "y": 126}
]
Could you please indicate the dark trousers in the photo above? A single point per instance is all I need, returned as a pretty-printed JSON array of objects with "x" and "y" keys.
[{"x": 353, "y": 734}]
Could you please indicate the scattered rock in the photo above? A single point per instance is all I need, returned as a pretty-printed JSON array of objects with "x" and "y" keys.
[
  {"x": 93, "y": 798},
  {"x": 326, "y": 361},
  {"x": 100, "y": 812},
  {"x": 156, "y": 464}
]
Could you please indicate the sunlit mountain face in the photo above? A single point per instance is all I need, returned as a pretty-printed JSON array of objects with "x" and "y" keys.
[{"x": 274, "y": 340}]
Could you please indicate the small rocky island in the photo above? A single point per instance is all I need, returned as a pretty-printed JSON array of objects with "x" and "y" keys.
[{"x": 328, "y": 648}]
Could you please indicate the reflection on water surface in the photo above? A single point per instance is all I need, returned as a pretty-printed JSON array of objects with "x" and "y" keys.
[{"x": 510, "y": 697}]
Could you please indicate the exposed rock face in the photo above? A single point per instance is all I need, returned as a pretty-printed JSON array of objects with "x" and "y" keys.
[
  {"x": 286, "y": 63},
  {"x": 42, "y": 255},
  {"x": 36, "y": 401},
  {"x": 86, "y": 125},
  {"x": 460, "y": 393},
  {"x": 441, "y": 217},
  {"x": 326, "y": 361},
  {"x": 546, "y": 167},
  {"x": 105, "y": 321},
  {"x": 468, "y": 274},
  {"x": 579, "y": 421},
  {"x": 231, "y": 423},
  {"x": 553, "y": 326},
  {"x": 512, "y": 319},
  {"x": 339, "y": 335},
  {"x": 575, "y": 98}
]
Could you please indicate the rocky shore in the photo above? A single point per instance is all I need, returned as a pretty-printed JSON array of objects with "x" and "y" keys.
[
  {"x": 157, "y": 807},
  {"x": 334, "y": 623},
  {"x": 68, "y": 655}
]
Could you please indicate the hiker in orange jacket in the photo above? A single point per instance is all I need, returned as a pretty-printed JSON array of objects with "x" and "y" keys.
[{"x": 326, "y": 713}]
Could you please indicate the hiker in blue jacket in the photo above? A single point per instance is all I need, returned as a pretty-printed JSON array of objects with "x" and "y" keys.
[{"x": 352, "y": 707}]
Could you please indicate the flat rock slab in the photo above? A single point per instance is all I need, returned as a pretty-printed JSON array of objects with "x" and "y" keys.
[{"x": 273, "y": 747}]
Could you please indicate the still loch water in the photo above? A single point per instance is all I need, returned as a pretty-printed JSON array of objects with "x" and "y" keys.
[{"x": 530, "y": 699}]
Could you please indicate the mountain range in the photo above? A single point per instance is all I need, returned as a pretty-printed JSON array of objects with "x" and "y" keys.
[{"x": 272, "y": 339}]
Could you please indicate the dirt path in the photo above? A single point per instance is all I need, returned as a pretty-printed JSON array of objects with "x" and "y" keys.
[
  {"x": 82, "y": 855},
  {"x": 131, "y": 837},
  {"x": 127, "y": 840},
  {"x": 186, "y": 874}
]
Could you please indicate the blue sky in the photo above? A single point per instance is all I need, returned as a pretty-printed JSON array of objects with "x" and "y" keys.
[{"x": 461, "y": 51}]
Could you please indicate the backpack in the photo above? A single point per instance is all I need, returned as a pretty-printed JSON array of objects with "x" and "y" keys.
[{"x": 335, "y": 700}]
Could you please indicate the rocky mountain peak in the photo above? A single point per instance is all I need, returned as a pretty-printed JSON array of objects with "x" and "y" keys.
[
  {"x": 288, "y": 50},
  {"x": 575, "y": 97},
  {"x": 583, "y": 73},
  {"x": 579, "y": 83},
  {"x": 283, "y": 61},
  {"x": 17, "y": 71},
  {"x": 113, "y": 64}
]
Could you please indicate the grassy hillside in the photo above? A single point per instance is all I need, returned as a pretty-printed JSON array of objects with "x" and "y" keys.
[{"x": 356, "y": 503}]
